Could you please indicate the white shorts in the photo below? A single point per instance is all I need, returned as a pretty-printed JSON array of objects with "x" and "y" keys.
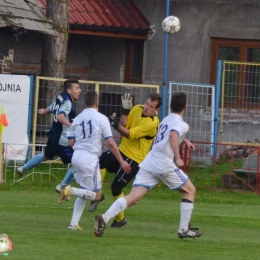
[
  {"x": 86, "y": 170},
  {"x": 174, "y": 179}
]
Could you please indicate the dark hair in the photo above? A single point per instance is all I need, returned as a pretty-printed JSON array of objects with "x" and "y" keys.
[
  {"x": 178, "y": 102},
  {"x": 156, "y": 97},
  {"x": 68, "y": 83},
  {"x": 91, "y": 98}
]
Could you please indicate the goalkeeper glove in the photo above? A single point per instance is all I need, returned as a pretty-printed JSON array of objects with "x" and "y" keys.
[
  {"x": 127, "y": 103},
  {"x": 113, "y": 121}
]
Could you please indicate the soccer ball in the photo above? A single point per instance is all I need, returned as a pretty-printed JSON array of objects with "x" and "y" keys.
[
  {"x": 6, "y": 244},
  {"x": 171, "y": 24}
]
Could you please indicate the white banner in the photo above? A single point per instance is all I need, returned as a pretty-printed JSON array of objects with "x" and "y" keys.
[{"x": 14, "y": 95}]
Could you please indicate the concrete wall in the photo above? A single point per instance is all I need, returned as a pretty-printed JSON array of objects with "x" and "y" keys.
[{"x": 190, "y": 49}]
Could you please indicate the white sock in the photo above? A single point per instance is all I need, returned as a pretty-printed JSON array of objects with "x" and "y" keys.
[
  {"x": 118, "y": 206},
  {"x": 186, "y": 211},
  {"x": 83, "y": 193},
  {"x": 79, "y": 206}
]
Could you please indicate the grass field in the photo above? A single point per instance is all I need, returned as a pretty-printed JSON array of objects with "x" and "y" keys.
[{"x": 37, "y": 225}]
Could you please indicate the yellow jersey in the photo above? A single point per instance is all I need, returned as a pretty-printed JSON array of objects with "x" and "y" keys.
[{"x": 142, "y": 132}]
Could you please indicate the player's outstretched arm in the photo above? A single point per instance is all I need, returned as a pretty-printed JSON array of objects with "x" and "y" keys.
[
  {"x": 114, "y": 149},
  {"x": 127, "y": 104},
  {"x": 43, "y": 111}
]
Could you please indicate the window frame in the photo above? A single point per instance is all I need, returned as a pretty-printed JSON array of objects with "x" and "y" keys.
[
  {"x": 129, "y": 62},
  {"x": 243, "y": 46}
]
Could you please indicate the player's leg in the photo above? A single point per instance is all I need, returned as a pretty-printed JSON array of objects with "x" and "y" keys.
[
  {"x": 93, "y": 204},
  {"x": 49, "y": 154},
  {"x": 37, "y": 159},
  {"x": 186, "y": 207},
  {"x": 68, "y": 179},
  {"x": 78, "y": 209},
  {"x": 178, "y": 180},
  {"x": 65, "y": 153},
  {"x": 120, "y": 219},
  {"x": 118, "y": 206},
  {"x": 82, "y": 193},
  {"x": 120, "y": 181},
  {"x": 87, "y": 175},
  {"x": 141, "y": 186},
  {"x": 107, "y": 161}
]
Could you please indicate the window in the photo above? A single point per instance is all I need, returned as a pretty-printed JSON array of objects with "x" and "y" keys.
[
  {"x": 242, "y": 82},
  {"x": 134, "y": 61}
]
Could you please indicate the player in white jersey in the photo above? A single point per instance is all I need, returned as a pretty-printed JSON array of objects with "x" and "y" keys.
[
  {"x": 162, "y": 164},
  {"x": 85, "y": 135}
]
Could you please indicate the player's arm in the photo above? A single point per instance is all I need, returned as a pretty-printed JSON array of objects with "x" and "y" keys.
[
  {"x": 114, "y": 149},
  {"x": 142, "y": 130},
  {"x": 188, "y": 144},
  {"x": 123, "y": 131},
  {"x": 123, "y": 120},
  {"x": 43, "y": 111},
  {"x": 146, "y": 129},
  {"x": 71, "y": 135},
  {"x": 127, "y": 104},
  {"x": 117, "y": 126},
  {"x": 63, "y": 120},
  {"x": 174, "y": 143},
  {"x": 64, "y": 110},
  {"x": 71, "y": 141}
]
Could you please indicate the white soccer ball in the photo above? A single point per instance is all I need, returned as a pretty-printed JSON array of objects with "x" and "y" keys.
[
  {"x": 6, "y": 244},
  {"x": 171, "y": 24}
]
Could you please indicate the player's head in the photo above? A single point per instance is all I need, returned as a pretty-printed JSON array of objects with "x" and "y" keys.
[
  {"x": 152, "y": 104},
  {"x": 72, "y": 87},
  {"x": 178, "y": 102},
  {"x": 91, "y": 99}
]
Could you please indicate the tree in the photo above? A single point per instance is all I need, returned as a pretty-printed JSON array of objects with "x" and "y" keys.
[{"x": 55, "y": 47}]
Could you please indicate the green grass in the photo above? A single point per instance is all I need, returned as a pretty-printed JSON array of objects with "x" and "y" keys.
[{"x": 37, "y": 226}]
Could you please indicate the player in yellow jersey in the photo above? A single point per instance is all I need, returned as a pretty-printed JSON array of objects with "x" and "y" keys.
[{"x": 138, "y": 127}]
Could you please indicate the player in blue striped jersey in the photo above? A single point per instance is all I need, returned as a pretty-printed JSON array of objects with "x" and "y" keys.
[{"x": 63, "y": 114}]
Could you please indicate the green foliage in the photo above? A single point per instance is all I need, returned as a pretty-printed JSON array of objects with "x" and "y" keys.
[{"x": 37, "y": 225}]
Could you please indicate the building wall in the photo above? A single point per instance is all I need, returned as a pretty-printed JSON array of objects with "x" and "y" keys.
[
  {"x": 88, "y": 57},
  {"x": 102, "y": 58},
  {"x": 190, "y": 49}
]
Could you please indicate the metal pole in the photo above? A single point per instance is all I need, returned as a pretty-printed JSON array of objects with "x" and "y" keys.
[
  {"x": 216, "y": 112},
  {"x": 165, "y": 63}
]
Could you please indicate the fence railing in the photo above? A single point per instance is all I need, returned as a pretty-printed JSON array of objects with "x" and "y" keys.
[
  {"x": 233, "y": 167},
  {"x": 109, "y": 101},
  {"x": 239, "y": 102}
]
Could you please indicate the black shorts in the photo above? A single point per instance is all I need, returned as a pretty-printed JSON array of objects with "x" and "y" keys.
[
  {"x": 54, "y": 149},
  {"x": 108, "y": 160}
]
